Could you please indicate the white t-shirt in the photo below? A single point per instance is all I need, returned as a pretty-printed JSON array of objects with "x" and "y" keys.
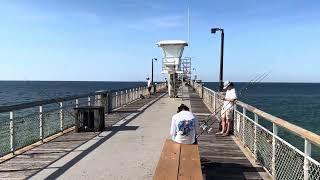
[
  {"x": 230, "y": 94},
  {"x": 184, "y": 127},
  {"x": 149, "y": 82}
]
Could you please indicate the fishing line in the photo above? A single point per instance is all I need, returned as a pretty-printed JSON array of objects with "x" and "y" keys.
[
  {"x": 255, "y": 79},
  {"x": 263, "y": 76}
]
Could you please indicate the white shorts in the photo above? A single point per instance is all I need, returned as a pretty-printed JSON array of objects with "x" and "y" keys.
[{"x": 227, "y": 113}]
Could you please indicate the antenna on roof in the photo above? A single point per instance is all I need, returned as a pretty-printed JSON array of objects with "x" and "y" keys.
[{"x": 188, "y": 22}]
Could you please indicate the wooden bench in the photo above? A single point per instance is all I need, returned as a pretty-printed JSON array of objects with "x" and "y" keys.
[{"x": 178, "y": 161}]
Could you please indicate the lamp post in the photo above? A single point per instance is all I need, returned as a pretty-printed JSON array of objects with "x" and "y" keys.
[
  {"x": 213, "y": 31},
  {"x": 154, "y": 87}
]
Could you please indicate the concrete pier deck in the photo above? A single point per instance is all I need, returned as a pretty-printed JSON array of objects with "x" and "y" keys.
[{"x": 129, "y": 148}]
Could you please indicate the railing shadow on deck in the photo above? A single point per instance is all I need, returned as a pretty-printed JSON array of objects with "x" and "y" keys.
[
  {"x": 87, "y": 151},
  {"x": 214, "y": 170}
]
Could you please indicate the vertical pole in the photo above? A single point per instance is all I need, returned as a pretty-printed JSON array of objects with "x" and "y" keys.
[
  {"x": 214, "y": 102},
  {"x": 12, "y": 148},
  {"x": 77, "y": 103},
  {"x": 188, "y": 24},
  {"x": 307, "y": 152},
  {"x": 116, "y": 99},
  {"x": 244, "y": 112},
  {"x": 61, "y": 116},
  {"x": 126, "y": 97},
  {"x": 210, "y": 100},
  {"x": 121, "y": 99},
  {"x": 235, "y": 119},
  {"x": 152, "y": 71},
  {"x": 221, "y": 61},
  {"x": 109, "y": 102},
  {"x": 273, "y": 165},
  {"x": 40, "y": 124},
  {"x": 202, "y": 91},
  {"x": 256, "y": 120},
  {"x": 89, "y": 101}
]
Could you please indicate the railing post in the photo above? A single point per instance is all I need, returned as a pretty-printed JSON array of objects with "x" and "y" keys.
[
  {"x": 126, "y": 97},
  {"x": 121, "y": 99},
  {"x": 134, "y": 94},
  {"x": 201, "y": 91},
  {"x": 61, "y": 116},
  {"x": 40, "y": 124},
  {"x": 307, "y": 152},
  {"x": 89, "y": 101},
  {"x": 77, "y": 103},
  {"x": 130, "y": 95},
  {"x": 256, "y": 120},
  {"x": 244, "y": 112},
  {"x": 236, "y": 118},
  {"x": 273, "y": 165},
  {"x": 210, "y": 100},
  {"x": 116, "y": 99},
  {"x": 137, "y": 93},
  {"x": 109, "y": 102},
  {"x": 12, "y": 145},
  {"x": 214, "y": 102}
]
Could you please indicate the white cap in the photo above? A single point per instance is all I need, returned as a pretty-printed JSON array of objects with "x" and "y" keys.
[{"x": 226, "y": 84}]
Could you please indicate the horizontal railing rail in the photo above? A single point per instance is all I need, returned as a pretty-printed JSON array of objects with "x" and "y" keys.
[
  {"x": 279, "y": 158},
  {"x": 27, "y": 123}
]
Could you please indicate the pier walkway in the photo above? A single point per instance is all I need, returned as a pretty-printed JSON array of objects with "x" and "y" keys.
[
  {"x": 221, "y": 157},
  {"x": 130, "y": 147}
]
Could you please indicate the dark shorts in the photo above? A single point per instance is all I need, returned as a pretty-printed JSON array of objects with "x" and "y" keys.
[{"x": 149, "y": 88}]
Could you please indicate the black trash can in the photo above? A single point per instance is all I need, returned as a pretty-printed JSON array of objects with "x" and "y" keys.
[{"x": 89, "y": 118}]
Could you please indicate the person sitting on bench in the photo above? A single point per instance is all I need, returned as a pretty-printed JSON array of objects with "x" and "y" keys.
[{"x": 184, "y": 126}]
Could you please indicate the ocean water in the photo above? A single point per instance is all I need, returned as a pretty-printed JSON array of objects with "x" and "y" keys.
[
  {"x": 15, "y": 92},
  {"x": 297, "y": 103}
]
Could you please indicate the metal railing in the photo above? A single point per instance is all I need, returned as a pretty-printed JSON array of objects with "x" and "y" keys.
[
  {"x": 279, "y": 158},
  {"x": 24, "y": 124}
]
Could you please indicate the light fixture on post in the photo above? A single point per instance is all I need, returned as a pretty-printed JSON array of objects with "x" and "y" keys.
[
  {"x": 154, "y": 86},
  {"x": 213, "y": 31}
]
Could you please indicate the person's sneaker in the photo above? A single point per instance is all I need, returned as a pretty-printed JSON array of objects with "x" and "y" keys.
[{"x": 218, "y": 133}]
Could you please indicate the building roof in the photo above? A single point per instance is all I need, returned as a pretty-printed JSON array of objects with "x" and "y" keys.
[{"x": 172, "y": 42}]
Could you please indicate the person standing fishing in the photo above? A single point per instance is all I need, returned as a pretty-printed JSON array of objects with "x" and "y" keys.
[
  {"x": 227, "y": 109},
  {"x": 149, "y": 85}
]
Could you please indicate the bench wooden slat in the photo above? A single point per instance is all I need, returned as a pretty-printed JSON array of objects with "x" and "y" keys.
[
  {"x": 190, "y": 166},
  {"x": 168, "y": 165}
]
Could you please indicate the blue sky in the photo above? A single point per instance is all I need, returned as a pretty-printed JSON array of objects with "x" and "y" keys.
[{"x": 103, "y": 40}]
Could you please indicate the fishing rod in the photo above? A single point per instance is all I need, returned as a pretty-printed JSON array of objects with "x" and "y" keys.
[
  {"x": 242, "y": 90},
  {"x": 227, "y": 109},
  {"x": 254, "y": 80},
  {"x": 230, "y": 108},
  {"x": 245, "y": 88}
]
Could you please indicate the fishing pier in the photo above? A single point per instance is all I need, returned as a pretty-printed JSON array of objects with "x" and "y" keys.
[
  {"x": 43, "y": 144},
  {"x": 58, "y": 138}
]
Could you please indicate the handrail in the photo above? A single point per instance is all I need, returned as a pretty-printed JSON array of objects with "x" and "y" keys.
[
  {"x": 314, "y": 138},
  {"x": 46, "y": 123},
  {"x": 279, "y": 158},
  {"x": 43, "y": 102},
  {"x": 310, "y": 136},
  {"x": 54, "y": 100}
]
